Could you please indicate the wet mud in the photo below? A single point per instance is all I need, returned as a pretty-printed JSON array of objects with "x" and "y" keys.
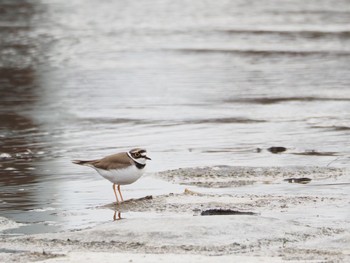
[
  {"x": 236, "y": 176},
  {"x": 224, "y": 212}
]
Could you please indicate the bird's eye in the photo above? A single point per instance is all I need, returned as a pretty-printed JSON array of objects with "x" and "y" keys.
[{"x": 137, "y": 155}]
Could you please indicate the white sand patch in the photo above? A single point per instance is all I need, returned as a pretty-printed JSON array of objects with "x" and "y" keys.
[{"x": 6, "y": 224}]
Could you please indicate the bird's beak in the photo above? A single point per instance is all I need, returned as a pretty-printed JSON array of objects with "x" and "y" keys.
[{"x": 148, "y": 158}]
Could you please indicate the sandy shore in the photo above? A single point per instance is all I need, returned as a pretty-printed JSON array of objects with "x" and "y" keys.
[{"x": 289, "y": 222}]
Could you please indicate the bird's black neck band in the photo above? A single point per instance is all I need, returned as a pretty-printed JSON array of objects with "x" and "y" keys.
[{"x": 140, "y": 165}]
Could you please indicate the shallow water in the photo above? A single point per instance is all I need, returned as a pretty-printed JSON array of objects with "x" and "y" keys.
[{"x": 195, "y": 82}]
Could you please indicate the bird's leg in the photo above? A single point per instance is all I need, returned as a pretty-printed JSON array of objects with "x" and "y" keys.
[
  {"x": 115, "y": 193},
  {"x": 120, "y": 193}
]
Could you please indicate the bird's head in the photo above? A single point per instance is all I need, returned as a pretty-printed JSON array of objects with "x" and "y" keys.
[{"x": 139, "y": 155}]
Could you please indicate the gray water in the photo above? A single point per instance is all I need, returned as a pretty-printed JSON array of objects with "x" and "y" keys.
[{"x": 197, "y": 83}]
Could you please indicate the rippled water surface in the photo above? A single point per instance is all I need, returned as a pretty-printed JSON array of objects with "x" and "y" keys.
[{"x": 195, "y": 82}]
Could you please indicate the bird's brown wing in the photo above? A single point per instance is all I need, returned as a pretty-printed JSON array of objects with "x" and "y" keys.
[{"x": 115, "y": 161}]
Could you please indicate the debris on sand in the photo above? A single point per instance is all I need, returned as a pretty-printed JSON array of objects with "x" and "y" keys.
[{"x": 190, "y": 192}]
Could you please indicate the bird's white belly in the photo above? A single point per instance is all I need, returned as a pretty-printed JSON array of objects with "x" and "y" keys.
[{"x": 121, "y": 176}]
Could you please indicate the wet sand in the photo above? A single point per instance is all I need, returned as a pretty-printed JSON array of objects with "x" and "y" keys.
[{"x": 289, "y": 222}]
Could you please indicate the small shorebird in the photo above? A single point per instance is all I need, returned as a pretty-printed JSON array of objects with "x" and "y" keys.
[{"x": 121, "y": 168}]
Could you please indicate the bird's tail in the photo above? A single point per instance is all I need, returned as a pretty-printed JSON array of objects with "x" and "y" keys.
[{"x": 81, "y": 162}]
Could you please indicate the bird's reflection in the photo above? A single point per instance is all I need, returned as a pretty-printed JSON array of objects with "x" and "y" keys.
[
  {"x": 117, "y": 215},
  {"x": 126, "y": 206}
]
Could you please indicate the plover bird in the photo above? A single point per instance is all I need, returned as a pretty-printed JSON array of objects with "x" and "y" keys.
[{"x": 121, "y": 168}]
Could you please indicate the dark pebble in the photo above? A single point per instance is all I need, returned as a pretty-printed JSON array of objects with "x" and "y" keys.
[
  {"x": 303, "y": 180},
  {"x": 277, "y": 149}
]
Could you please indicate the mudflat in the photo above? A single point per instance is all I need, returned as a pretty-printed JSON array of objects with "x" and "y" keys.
[{"x": 278, "y": 221}]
